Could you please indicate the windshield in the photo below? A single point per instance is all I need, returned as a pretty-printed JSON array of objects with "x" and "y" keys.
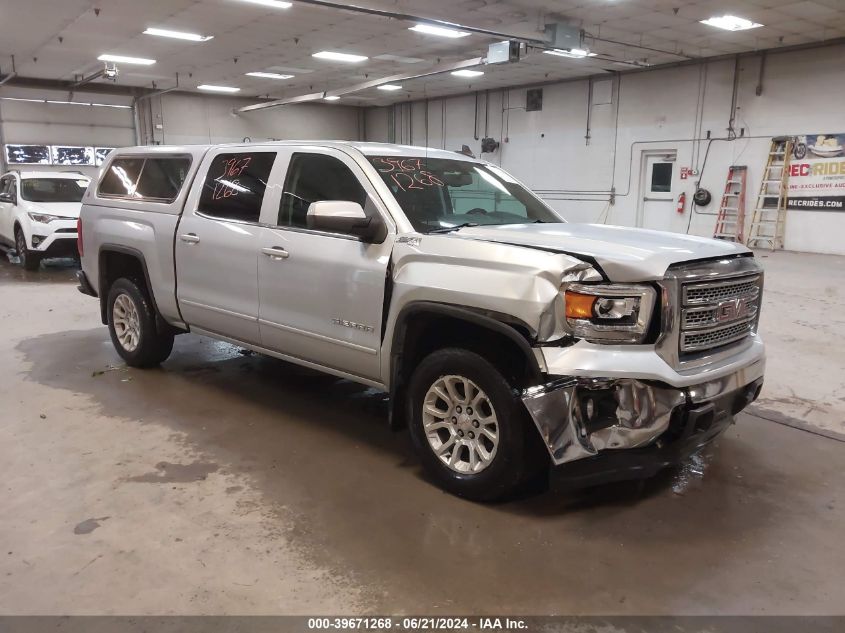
[
  {"x": 438, "y": 193},
  {"x": 53, "y": 189}
]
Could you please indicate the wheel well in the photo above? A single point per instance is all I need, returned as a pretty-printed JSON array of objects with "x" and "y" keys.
[
  {"x": 506, "y": 345},
  {"x": 113, "y": 266},
  {"x": 425, "y": 333}
]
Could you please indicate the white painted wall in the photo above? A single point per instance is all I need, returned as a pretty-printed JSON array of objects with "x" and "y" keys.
[
  {"x": 665, "y": 109},
  {"x": 62, "y": 124},
  {"x": 189, "y": 119}
]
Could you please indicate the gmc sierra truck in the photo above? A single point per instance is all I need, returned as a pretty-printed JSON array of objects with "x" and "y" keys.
[{"x": 508, "y": 340}]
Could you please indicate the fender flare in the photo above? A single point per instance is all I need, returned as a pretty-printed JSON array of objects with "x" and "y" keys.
[
  {"x": 104, "y": 292},
  {"x": 457, "y": 312}
]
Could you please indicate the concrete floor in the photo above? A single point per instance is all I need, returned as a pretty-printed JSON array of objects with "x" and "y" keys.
[{"x": 233, "y": 484}]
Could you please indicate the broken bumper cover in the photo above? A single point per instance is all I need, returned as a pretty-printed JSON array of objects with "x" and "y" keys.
[{"x": 588, "y": 418}]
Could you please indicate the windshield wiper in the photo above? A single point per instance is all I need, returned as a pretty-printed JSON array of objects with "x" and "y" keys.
[{"x": 449, "y": 229}]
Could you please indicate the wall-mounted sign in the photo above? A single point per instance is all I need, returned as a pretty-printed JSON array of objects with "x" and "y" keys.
[
  {"x": 72, "y": 155},
  {"x": 27, "y": 154},
  {"x": 100, "y": 154},
  {"x": 817, "y": 173}
]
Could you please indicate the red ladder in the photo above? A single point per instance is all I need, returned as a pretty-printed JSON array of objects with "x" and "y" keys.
[{"x": 730, "y": 223}]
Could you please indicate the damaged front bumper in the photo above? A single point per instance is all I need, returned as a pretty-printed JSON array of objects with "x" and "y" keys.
[{"x": 588, "y": 418}]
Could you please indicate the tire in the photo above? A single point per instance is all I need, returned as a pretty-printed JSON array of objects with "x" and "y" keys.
[
  {"x": 132, "y": 325},
  {"x": 30, "y": 260},
  {"x": 510, "y": 461}
]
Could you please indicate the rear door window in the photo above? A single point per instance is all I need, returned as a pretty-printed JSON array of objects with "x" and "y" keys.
[
  {"x": 121, "y": 178},
  {"x": 235, "y": 184},
  {"x": 162, "y": 178}
]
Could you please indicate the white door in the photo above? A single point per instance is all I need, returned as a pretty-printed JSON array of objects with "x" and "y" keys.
[
  {"x": 322, "y": 294},
  {"x": 657, "y": 205},
  {"x": 217, "y": 244}
]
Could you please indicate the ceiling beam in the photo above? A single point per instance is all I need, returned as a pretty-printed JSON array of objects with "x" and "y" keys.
[
  {"x": 373, "y": 83},
  {"x": 539, "y": 40}
]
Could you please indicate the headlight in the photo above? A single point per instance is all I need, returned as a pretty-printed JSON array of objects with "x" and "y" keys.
[
  {"x": 609, "y": 313},
  {"x": 43, "y": 218}
]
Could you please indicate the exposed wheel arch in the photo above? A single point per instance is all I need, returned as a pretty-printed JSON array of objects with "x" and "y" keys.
[{"x": 422, "y": 327}]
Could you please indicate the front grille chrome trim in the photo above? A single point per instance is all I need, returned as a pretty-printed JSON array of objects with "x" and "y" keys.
[{"x": 692, "y": 334}]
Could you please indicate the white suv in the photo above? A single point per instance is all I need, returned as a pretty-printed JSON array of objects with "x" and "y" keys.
[{"x": 38, "y": 213}]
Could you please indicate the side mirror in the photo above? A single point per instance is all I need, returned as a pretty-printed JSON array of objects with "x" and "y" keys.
[
  {"x": 342, "y": 216},
  {"x": 7, "y": 197}
]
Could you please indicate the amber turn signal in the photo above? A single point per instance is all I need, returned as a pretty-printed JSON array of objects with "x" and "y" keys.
[{"x": 579, "y": 306}]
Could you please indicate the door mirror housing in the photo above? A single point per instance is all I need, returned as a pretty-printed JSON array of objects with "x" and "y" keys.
[
  {"x": 7, "y": 197},
  {"x": 343, "y": 216}
]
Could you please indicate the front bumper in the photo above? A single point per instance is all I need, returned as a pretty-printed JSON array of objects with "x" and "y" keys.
[{"x": 589, "y": 418}]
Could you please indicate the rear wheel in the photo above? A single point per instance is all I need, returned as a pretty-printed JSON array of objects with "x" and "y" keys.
[
  {"x": 469, "y": 429},
  {"x": 132, "y": 325},
  {"x": 30, "y": 260}
]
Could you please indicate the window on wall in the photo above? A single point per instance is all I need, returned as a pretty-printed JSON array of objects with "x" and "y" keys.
[
  {"x": 661, "y": 177},
  {"x": 235, "y": 184},
  {"x": 315, "y": 178}
]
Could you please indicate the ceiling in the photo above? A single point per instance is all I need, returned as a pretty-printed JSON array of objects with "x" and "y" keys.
[{"x": 61, "y": 39}]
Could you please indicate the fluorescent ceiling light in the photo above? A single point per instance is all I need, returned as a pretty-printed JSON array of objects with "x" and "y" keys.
[
  {"x": 276, "y": 4},
  {"x": 575, "y": 53},
  {"x": 389, "y": 87},
  {"x": 440, "y": 31},
  {"x": 264, "y": 75},
  {"x": 123, "y": 59},
  {"x": 339, "y": 57},
  {"x": 731, "y": 23},
  {"x": 179, "y": 35},
  {"x": 331, "y": 98},
  {"x": 212, "y": 88},
  {"x": 467, "y": 73}
]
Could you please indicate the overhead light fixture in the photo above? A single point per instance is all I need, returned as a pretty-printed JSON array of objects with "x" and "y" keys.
[
  {"x": 123, "y": 59},
  {"x": 178, "y": 35},
  {"x": 731, "y": 23},
  {"x": 467, "y": 73},
  {"x": 389, "y": 87},
  {"x": 440, "y": 31},
  {"x": 276, "y": 4},
  {"x": 212, "y": 88},
  {"x": 264, "y": 75},
  {"x": 349, "y": 58},
  {"x": 331, "y": 98},
  {"x": 574, "y": 53}
]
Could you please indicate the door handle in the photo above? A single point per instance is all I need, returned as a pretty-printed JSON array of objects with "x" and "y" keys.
[
  {"x": 189, "y": 238},
  {"x": 276, "y": 252}
]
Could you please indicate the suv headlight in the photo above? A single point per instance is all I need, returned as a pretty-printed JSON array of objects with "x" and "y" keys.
[
  {"x": 43, "y": 218},
  {"x": 609, "y": 313}
]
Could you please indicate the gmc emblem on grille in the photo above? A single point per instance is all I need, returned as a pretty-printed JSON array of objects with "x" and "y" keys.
[{"x": 732, "y": 310}]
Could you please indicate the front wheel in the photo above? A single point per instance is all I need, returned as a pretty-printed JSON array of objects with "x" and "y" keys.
[
  {"x": 469, "y": 429},
  {"x": 132, "y": 325},
  {"x": 30, "y": 260}
]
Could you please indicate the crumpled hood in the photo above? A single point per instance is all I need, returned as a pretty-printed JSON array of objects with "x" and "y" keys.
[
  {"x": 625, "y": 254},
  {"x": 63, "y": 209}
]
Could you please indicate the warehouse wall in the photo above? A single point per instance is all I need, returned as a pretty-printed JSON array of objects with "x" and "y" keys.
[
  {"x": 668, "y": 110},
  {"x": 166, "y": 119},
  {"x": 192, "y": 118},
  {"x": 27, "y": 122}
]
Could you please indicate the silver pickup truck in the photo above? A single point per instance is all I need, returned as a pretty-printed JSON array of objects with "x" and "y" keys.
[{"x": 508, "y": 339}]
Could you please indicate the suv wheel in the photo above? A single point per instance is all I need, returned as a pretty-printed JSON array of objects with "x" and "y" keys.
[
  {"x": 30, "y": 260},
  {"x": 132, "y": 325},
  {"x": 468, "y": 428}
]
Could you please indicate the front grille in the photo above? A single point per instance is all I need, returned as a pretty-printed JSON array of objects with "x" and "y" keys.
[{"x": 718, "y": 313}]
